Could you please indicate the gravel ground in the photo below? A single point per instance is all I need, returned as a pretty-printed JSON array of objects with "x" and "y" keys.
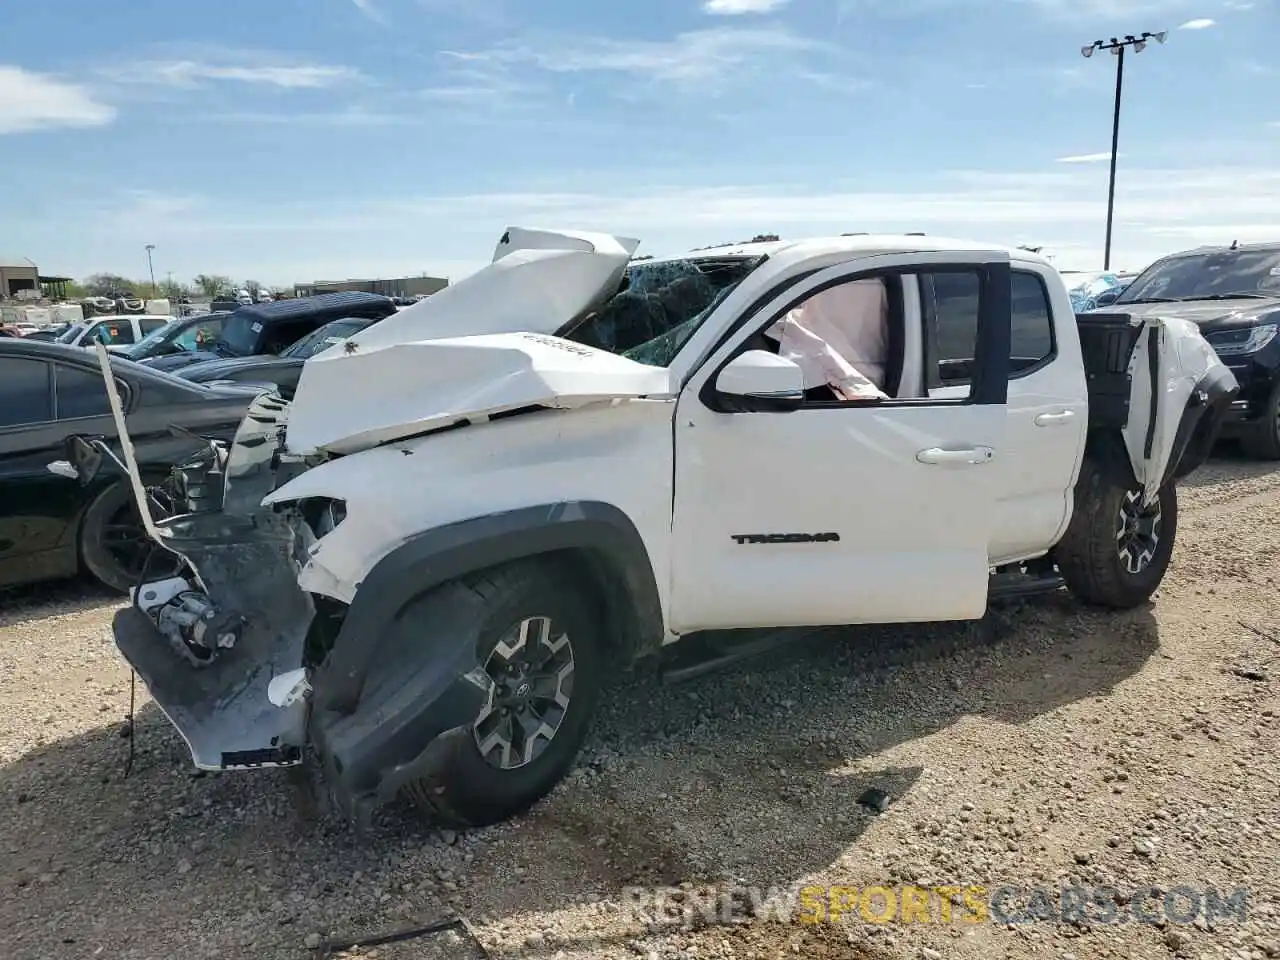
[{"x": 1047, "y": 746}]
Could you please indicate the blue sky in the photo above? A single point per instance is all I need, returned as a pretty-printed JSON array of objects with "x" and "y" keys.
[{"x": 291, "y": 140}]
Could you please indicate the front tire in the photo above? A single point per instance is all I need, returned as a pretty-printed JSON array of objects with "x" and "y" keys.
[
  {"x": 541, "y": 644},
  {"x": 1115, "y": 553}
]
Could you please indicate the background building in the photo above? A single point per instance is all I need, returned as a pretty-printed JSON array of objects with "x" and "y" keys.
[
  {"x": 17, "y": 276},
  {"x": 403, "y": 287}
]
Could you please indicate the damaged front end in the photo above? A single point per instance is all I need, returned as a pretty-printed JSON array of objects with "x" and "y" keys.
[{"x": 229, "y": 649}]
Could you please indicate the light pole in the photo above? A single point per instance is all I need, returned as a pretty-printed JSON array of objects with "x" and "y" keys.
[
  {"x": 151, "y": 269},
  {"x": 1117, "y": 48}
]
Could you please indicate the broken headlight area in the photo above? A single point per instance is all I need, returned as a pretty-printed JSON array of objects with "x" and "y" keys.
[{"x": 321, "y": 514}]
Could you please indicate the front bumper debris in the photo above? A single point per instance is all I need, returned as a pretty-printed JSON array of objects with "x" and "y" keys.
[
  {"x": 216, "y": 692},
  {"x": 224, "y": 648}
]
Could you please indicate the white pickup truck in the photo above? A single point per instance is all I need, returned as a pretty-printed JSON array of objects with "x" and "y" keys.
[{"x": 473, "y": 513}]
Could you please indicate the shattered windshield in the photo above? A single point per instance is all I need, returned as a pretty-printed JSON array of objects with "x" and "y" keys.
[
  {"x": 1228, "y": 273},
  {"x": 660, "y": 306}
]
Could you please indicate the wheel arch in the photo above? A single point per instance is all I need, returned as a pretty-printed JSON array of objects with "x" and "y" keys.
[{"x": 596, "y": 540}]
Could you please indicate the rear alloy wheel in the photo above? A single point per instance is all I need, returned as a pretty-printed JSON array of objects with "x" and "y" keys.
[
  {"x": 1138, "y": 532},
  {"x": 538, "y": 637},
  {"x": 1116, "y": 551}
]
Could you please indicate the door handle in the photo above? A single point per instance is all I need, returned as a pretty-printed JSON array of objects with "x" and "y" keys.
[
  {"x": 1055, "y": 419},
  {"x": 972, "y": 455}
]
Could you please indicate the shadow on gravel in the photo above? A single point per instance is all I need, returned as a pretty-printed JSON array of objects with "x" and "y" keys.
[
  {"x": 56, "y": 597},
  {"x": 1227, "y": 465},
  {"x": 751, "y": 775}
]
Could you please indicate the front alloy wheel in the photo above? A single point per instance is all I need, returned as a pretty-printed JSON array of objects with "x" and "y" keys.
[
  {"x": 1138, "y": 533},
  {"x": 530, "y": 682},
  {"x": 540, "y": 638}
]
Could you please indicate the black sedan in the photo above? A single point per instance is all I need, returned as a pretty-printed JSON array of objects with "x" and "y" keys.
[
  {"x": 282, "y": 371},
  {"x": 52, "y": 526}
]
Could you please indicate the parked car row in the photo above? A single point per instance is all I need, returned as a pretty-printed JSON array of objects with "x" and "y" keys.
[{"x": 184, "y": 376}]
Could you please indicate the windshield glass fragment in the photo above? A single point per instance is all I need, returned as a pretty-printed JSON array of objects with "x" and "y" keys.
[{"x": 660, "y": 306}]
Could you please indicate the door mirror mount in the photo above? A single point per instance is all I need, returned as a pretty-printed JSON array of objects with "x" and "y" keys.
[{"x": 758, "y": 381}]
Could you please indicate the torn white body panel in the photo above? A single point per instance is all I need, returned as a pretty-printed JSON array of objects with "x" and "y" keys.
[
  {"x": 415, "y": 387},
  {"x": 621, "y": 452},
  {"x": 1183, "y": 360},
  {"x": 534, "y": 289},
  {"x": 538, "y": 281}
]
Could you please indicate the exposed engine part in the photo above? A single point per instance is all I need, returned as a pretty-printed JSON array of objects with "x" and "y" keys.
[{"x": 196, "y": 627}]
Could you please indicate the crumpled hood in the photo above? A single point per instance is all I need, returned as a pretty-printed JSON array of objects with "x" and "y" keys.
[
  {"x": 412, "y": 388},
  {"x": 1209, "y": 315},
  {"x": 476, "y": 347}
]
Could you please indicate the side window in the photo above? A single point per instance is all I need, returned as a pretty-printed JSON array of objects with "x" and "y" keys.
[
  {"x": 1031, "y": 326},
  {"x": 112, "y": 333},
  {"x": 951, "y": 310},
  {"x": 80, "y": 393},
  {"x": 24, "y": 392},
  {"x": 151, "y": 325},
  {"x": 950, "y": 300},
  {"x": 842, "y": 337}
]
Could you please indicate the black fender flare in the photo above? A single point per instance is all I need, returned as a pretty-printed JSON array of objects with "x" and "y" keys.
[
  {"x": 1200, "y": 423},
  {"x": 601, "y": 532}
]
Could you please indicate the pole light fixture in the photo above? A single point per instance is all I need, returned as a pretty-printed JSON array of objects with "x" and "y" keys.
[{"x": 1117, "y": 47}]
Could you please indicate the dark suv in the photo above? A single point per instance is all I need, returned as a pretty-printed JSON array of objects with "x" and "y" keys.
[{"x": 1233, "y": 295}]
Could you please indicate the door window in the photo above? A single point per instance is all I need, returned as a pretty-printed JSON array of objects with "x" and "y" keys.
[
  {"x": 841, "y": 338},
  {"x": 81, "y": 393},
  {"x": 1031, "y": 340},
  {"x": 152, "y": 324},
  {"x": 112, "y": 333},
  {"x": 950, "y": 303},
  {"x": 25, "y": 396}
]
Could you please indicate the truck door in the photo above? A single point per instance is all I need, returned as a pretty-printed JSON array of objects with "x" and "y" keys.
[
  {"x": 1047, "y": 401},
  {"x": 838, "y": 511}
]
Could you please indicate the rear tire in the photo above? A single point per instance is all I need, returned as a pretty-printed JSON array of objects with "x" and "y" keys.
[
  {"x": 1262, "y": 440},
  {"x": 1114, "y": 554},
  {"x": 533, "y": 611},
  {"x": 114, "y": 545}
]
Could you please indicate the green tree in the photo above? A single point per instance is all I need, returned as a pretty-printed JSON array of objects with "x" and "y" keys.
[
  {"x": 105, "y": 284},
  {"x": 212, "y": 284}
]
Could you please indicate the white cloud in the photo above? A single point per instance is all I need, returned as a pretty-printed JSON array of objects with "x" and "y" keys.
[
  {"x": 736, "y": 7},
  {"x": 369, "y": 10},
  {"x": 1158, "y": 211},
  {"x": 35, "y": 101},
  {"x": 694, "y": 56},
  {"x": 192, "y": 73},
  {"x": 1089, "y": 158},
  {"x": 1202, "y": 23}
]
